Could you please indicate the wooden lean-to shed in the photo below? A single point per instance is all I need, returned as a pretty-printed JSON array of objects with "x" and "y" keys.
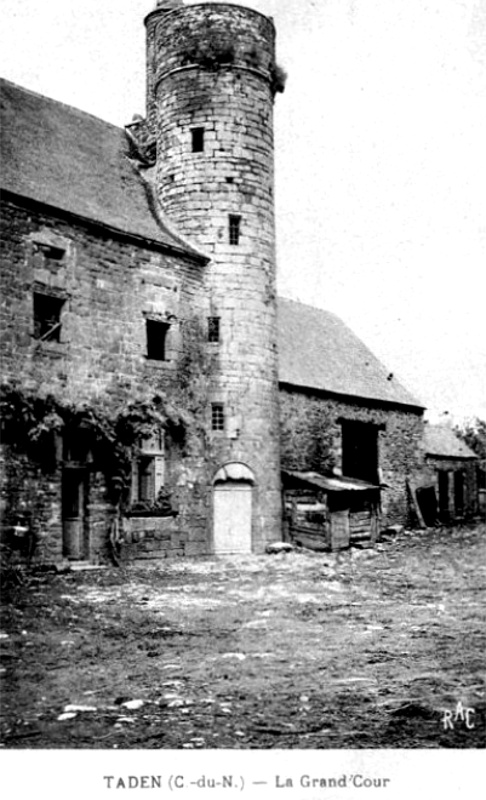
[{"x": 330, "y": 512}]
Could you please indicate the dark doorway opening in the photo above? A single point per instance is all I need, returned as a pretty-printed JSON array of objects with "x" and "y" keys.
[
  {"x": 360, "y": 451},
  {"x": 74, "y": 499},
  {"x": 444, "y": 496},
  {"x": 459, "y": 494}
]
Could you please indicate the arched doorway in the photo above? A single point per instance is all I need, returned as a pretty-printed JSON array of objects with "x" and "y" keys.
[{"x": 233, "y": 509}]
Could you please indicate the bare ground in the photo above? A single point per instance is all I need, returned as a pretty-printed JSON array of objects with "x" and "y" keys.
[{"x": 366, "y": 649}]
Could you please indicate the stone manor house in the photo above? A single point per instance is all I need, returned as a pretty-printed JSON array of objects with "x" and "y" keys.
[{"x": 155, "y": 388}]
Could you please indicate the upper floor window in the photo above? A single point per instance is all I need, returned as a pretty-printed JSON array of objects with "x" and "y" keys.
[
  {"x": 157, "y": 339},
  {"x": 197, "y": 140},
  {"x": 217, "y": 417},
  {"x": 234, "y": 229},
  {"x": 50, "y": 251},
  {"x": 213, "y": 329},
  {"x": 47, "y": 317}
]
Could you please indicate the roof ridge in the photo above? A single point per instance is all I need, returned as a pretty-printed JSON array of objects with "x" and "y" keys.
[
  {"x": 50, "y": 99},
  {"x": 345, "y": 353},
  {"x": 307, "y": 305}
]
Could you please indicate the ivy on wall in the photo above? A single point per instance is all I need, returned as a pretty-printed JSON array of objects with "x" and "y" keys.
[{"x": 114, "y": 429}]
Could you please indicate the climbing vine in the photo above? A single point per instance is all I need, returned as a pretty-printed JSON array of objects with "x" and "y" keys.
[{"x": 113, "y": 429}]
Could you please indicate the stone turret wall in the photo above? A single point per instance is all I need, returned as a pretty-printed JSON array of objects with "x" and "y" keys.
[{"x": 211, "y": 71}]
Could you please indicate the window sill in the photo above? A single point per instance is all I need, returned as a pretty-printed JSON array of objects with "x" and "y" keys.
[
  {"x": 155, "y": 363},
  {"x": 51, "y": 348},
  {"x": 153, "y": 513}
]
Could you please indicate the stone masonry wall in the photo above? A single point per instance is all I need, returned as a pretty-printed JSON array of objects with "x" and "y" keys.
[
  {"x": 311, "y": 440},
  {"x": 109, "y": 287},
  {"x": 210, "y": 67},
  {"x": 468, "y": 468}
]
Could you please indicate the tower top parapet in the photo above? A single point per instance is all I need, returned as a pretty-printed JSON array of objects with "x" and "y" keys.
[{"x": 168, "y": 5}]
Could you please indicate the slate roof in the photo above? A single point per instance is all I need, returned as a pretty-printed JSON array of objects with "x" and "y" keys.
[
  {"x": 55, "y": 154},
  {"x": 318, "y": 351},
  {"x": 58, "y": 155},
  {"x": 440, "y": 440}
]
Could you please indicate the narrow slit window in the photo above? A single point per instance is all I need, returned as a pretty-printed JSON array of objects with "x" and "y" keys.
[
  {"x": 234, "y": 229},
  {"x": 157, "y": 340},
  {"x": 47, "y": 317},
  {"x": 213, "y": 329},
  {"x": 197, "y": 140},
  {"x": 217, "y": 417}
]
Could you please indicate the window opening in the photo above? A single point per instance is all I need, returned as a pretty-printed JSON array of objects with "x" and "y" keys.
[
  {"x": 197, "y": 140},
  {"x": 234, "y": 229},
  {"x": 217, "y": 417},
  {"x": 76, "y": 446},
  {"x": 213, "y": 329},
  {"x": 146, "y": 484},
  {"x": 148, "y": 467},
  {"x": 51, "y": 252},
  {"x": 47, "y": 317},
  {"x": 157, "y": 340}
]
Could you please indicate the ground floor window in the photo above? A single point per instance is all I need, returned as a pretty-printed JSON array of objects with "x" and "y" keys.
[
  {"x": 217, "y": 417},
  {"x": 148, "y": 470}
]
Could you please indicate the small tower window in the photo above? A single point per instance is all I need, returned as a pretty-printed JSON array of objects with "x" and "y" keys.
[
  {"x": 197, "y": 140},
  {"x": 47, "y": 317},
  {"x": 213, "y": 329},
  {"x": 234, "y": 229},
  {"x": 217, "y": 417},
  {"x": 157, "y": 340}
]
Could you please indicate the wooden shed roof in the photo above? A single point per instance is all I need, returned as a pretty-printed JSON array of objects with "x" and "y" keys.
[{"x": 330, "y": 483}]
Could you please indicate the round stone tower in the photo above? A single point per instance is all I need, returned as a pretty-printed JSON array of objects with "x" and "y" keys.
[{"x": 211, "y": 86}]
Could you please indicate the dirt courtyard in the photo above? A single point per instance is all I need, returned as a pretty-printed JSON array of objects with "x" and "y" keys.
[{"x": 375, "y": 648}]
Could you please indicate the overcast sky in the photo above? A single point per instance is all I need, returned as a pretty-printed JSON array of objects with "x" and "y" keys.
[{"x": 380, "y": 154}]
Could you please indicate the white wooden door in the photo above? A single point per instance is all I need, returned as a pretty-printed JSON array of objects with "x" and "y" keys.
[{"x": 232, "y": 518}]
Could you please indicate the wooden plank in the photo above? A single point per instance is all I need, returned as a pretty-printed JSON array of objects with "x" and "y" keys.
[{"x": 412, "y": 488}]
